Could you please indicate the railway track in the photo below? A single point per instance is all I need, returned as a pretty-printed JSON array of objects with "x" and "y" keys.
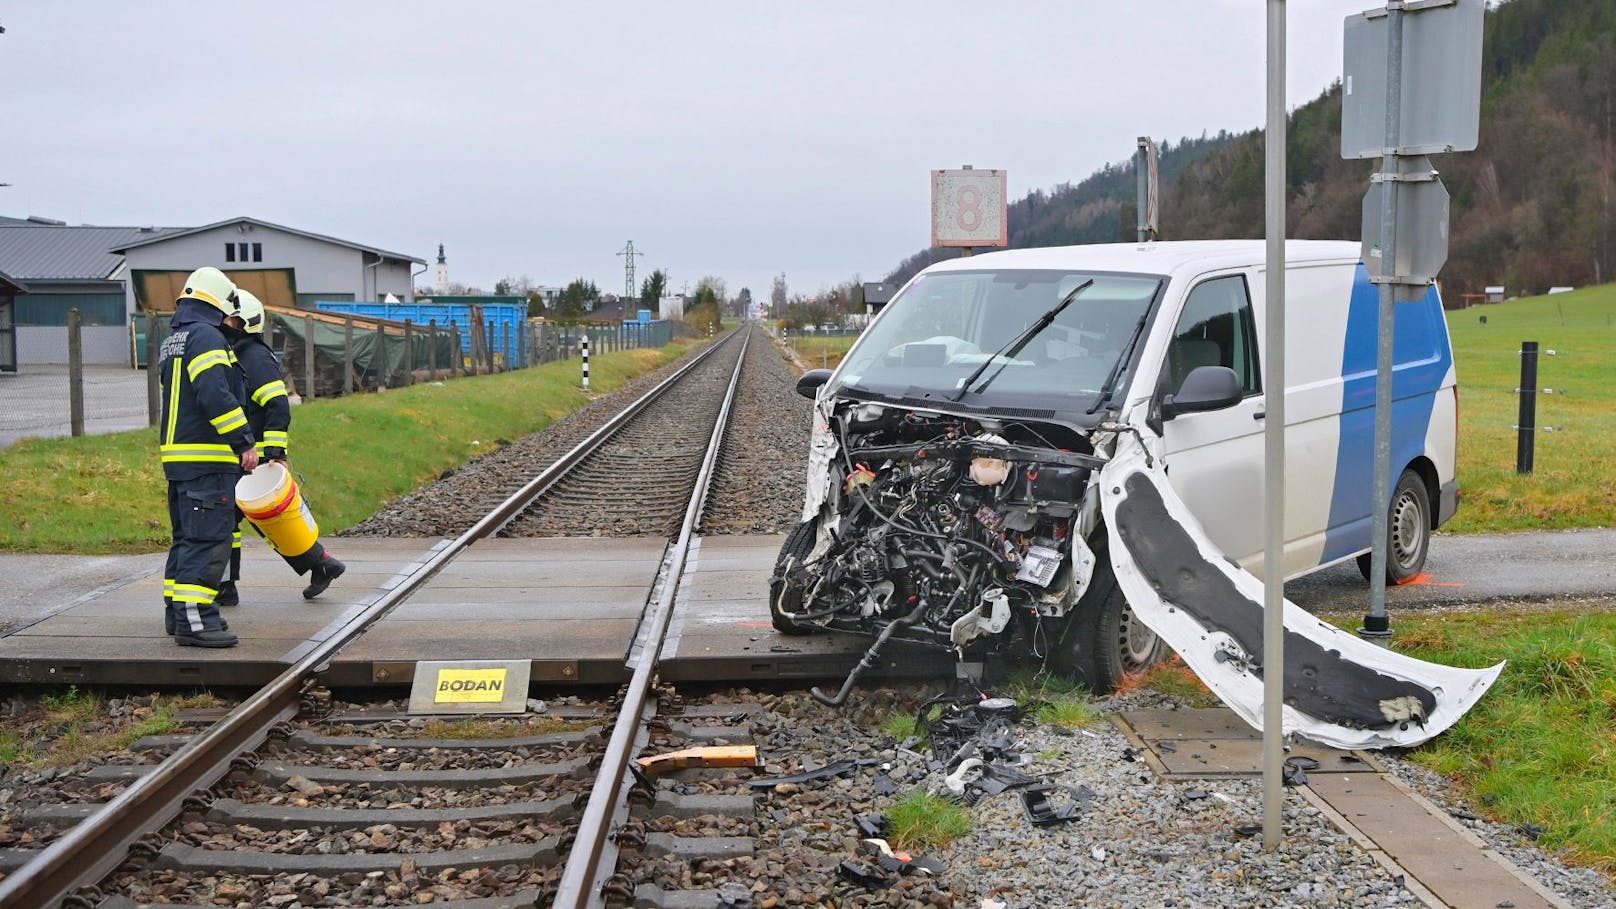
[{"x": 554, "y": 847}]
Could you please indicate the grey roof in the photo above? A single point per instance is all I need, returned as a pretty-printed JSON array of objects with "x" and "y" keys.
[
  {"x": 8, "y": 281},
  {"x": 145, "y": 241},
  {"x": 40, "y": 252}
]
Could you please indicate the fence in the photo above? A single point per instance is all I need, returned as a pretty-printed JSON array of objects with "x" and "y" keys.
[{"x": 322, "y": 354}]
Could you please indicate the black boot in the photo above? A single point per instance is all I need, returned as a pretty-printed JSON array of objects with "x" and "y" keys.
[
  {"x": 227, "y": 596},
  {"x": 321, "y": 576},
  {"x": 212, "y": 637}
]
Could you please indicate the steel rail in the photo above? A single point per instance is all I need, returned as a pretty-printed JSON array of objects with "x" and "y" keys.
[
  {"x": 585, "y": 871},
  {"x": 97, "y": 845}
]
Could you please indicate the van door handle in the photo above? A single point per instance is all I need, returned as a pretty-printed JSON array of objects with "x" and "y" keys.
[{"x": 1259, "y": 415}]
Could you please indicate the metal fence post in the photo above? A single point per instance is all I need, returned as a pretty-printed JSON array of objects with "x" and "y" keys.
[
  {"x": 432, "y": 349},
  {"x": 153, "y": 381},
  {"x": 380, "y": 357},
  {"x": 308, "y": 356},
  {"x": 488, "y": 345},
  {"x": 347, "y": 356},
  {"x": 457, "y": 364},
  {"x": 75, "y": 372},
  {"x": 409, "y": 355},
  {"x": 1526, "y": 422},
  {"x": 505, "y": 342}
]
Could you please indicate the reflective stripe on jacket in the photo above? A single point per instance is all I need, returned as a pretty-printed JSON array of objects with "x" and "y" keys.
[
  {"x": 204, "y": 427},
  {"x": 269, "y": 411}
]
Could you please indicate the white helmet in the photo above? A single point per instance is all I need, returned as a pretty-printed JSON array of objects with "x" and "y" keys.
[
  {"x": 209, "y": 285},
  {"x": 252, "y": 312}
]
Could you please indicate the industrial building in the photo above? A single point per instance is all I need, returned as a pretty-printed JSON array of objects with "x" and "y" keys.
[{"x": 112, "y": 273}]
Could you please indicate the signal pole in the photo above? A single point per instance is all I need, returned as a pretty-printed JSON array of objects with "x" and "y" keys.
[{"x": 628, "y": 253}]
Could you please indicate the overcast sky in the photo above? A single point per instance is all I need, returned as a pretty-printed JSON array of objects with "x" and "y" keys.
[{"x": 738, "y": 139}]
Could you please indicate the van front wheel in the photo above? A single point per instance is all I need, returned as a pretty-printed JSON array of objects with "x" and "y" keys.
[
  {"x": 1408, "y": 531},
  {"x": 1103, "y": 642}
]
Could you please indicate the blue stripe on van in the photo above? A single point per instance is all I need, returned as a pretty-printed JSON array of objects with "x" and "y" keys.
[{"x": 1422, "y": 356}]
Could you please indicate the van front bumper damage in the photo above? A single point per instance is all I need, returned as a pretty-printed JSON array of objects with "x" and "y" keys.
[{"x": 1338, "y": 689}]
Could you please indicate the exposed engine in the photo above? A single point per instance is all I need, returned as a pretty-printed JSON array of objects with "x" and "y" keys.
[{"x": 961, "y": 534}]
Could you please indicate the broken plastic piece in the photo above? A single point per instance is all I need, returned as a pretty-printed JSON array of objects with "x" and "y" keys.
[
  {"x": 863, "y": 875},
  {"x": 968, "y": 770},
  {"x": 883, "y": 784},
  {"x": 1296, "y": 768},
  {"x": 1042, "y": 812},
  {"x": 704, "y": 756},
  {"x": 995, "y": 779},
  {"x": 870, "y": 825},
  {"x": 823, "y": 773}
]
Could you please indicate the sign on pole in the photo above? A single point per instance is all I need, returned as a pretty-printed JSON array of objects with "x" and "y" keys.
[
  {"x": 1146, "y": 161},
  {"x": 968, "y": 208},
  {"x": 1411, "y": 84},
  {"x": 1440, "y": 109}
]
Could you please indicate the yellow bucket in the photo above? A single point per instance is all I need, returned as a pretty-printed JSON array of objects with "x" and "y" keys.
[{"x": 270, "y": 499}]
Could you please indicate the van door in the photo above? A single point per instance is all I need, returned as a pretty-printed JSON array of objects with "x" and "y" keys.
[{"x": 1215, "y": 458}]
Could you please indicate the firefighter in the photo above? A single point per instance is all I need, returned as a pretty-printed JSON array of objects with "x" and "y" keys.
[
  {"x": 269, "y": 413},
  {"x": 205, "y": 445}
]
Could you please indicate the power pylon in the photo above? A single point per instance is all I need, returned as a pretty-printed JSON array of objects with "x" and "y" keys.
[{"x": 628, "y": 253}]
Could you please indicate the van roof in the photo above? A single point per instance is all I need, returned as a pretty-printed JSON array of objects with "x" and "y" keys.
[{"x": 1160, "y": 258}]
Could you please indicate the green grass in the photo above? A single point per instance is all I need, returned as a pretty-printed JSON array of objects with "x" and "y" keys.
[
  {"x": 1054, "y": 700},
  {"x": 1540, "y": 747},
  {"x": 60, "y": 730},
  {"x": 1574, "y": 479},
  {"x": 1176, "y": 680},
  {"x": 919, "y": 822},
  {"x": 901, "y": 726},
  {"x": 106, "y": 494},
  {"x": 821, "y": 351}
]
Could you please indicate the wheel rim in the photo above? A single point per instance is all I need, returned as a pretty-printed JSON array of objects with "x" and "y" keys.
[
  {"x": 1136, "y": 642},
  {"x": 1407, "y": 530}
]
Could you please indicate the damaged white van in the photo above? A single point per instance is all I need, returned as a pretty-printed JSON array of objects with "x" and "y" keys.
[{"x": 957, "y": 479}]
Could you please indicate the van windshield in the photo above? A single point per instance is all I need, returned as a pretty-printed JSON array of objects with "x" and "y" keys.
[{"x": 944, "y": 326}]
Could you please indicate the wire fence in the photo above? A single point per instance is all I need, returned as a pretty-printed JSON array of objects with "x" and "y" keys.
[{"x": 322, "y": 355}]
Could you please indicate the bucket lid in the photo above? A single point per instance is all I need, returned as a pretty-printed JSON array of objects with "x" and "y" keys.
[{"x": 269, "y": 477}]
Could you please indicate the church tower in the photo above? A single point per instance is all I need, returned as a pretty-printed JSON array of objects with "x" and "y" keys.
[{"x": 440, "y": 279}]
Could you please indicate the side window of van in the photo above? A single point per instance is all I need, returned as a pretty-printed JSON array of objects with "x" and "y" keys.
[{"x": 1216, "y": 329}]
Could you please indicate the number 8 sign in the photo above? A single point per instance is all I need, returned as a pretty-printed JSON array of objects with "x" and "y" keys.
[{"x": 968, "y": 208}]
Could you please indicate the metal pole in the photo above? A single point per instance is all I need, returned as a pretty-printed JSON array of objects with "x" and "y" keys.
[
  {"x": 432, "y": 349},
  {"x": 1377, "y": 624},
  {"x": 347, "y": 356},
  {"x": 1526, "y": 423},
  {"x": 308, "y": 357},
  {"x": 153, "y": 381},
  {"x": 75, "y": 372},
  {"x": 1273, "y": 658},
  {"x": 409, "y": 354},
  {"x": 1142, "y": 183},
  {"x": 583, "y": 346}
]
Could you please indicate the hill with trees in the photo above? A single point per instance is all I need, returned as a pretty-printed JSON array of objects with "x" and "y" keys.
[{"x": 1531, "y": 205}]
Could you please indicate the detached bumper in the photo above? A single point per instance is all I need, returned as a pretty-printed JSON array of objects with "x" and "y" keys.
[{"x": 1447, "y": 502}]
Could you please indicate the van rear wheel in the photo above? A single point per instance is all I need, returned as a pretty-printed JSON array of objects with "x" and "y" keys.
[{"x": 1408, "y": 531}]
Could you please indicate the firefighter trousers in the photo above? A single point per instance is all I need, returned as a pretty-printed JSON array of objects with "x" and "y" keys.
[{"x": 201, "y": 515}]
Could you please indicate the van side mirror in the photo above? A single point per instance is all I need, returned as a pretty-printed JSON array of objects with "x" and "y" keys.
[
  {"x": 808, "y": 385},
  {"x": 1205, "y": 388}
]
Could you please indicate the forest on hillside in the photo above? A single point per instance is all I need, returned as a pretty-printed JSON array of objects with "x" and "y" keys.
[{"x": 1531, "y": 205}]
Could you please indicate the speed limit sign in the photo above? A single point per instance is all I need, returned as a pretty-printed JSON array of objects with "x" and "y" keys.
[{"x": 968, "y": 208}]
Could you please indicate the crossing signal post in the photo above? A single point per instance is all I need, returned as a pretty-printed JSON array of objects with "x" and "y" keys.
[{"x": 1411, "y": 87}]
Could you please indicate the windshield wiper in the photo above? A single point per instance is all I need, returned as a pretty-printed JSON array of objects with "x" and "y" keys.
[
  {"x": 1116, "y": 368},
  {"x": 1015, "y": 344}
]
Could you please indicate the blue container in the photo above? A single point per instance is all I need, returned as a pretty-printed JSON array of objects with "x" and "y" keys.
[
  {"x": 420, "y": 314},
  {"x": 645, "y": 316}
]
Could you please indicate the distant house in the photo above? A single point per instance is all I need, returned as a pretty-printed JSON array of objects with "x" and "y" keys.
[{"x": 1495, "y": 293}]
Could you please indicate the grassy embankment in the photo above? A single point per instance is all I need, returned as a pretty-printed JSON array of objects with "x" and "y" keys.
[
  {"x": 1540, "y": 748},
  {"x": 820, "y": 351},
  {"x": 1574, "y": 480},
  {"x": 105, "y": 494}
]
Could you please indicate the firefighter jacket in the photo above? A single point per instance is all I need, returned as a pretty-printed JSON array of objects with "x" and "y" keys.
[
  {"x": 269, "y": 411},
  {"x": 203, "y": 429}
]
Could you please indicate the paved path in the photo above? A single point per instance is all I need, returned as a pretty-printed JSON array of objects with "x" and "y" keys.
[
  {"x": 34, "y": 401},
  {"x": 1476, "y": 568}
]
